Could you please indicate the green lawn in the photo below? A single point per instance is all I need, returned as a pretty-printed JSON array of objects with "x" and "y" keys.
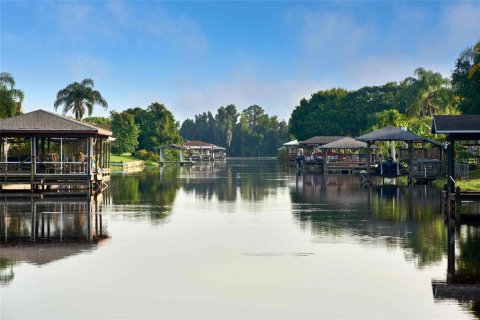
[
  {"x": 128, "y": 158},
  {"x": 472, "y": 184},
  {"x": 123, "y": 158}
]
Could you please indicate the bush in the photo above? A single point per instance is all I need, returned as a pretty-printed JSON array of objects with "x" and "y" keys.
[{"x": 142, "y": 154}]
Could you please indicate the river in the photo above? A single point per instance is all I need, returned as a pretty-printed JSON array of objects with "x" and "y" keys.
[{"x": 236, "y": 240}]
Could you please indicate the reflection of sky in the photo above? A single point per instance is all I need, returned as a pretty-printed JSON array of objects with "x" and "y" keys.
[{"x": 227, "y": 259}]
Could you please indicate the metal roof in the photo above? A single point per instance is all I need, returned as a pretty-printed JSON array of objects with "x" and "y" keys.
[
  {"x": 292, "y": 143},
  {"x": 345, "y": 143},
  {"x": 456, "y": 124},
  {"x": 320, "y": 140},
  {"x": 394, "y": 134},
  {"x": 41, "y": 122}
]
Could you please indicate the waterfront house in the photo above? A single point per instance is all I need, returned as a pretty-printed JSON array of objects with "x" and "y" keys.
[{"x": 41, "y": 149}]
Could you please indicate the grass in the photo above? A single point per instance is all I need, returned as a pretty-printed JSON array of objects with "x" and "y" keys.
[
  {"x": 127, "y": 158},
  {"x": 123, "y": 158},
  {"x": 471, "y": 184}
]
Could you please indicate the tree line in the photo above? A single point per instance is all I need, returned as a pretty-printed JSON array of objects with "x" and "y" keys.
[
  {"x": 412, "y": 102},
  {"x": 252, "y": 132}
]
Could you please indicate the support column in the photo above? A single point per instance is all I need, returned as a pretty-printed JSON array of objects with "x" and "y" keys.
[
  {"x": 451, "y": 164},
  {"x": 410, "y": 161},
  {"x": 369, "y": 160}
]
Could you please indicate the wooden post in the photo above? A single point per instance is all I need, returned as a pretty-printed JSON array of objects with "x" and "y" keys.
[
  {"x": 162, "y": 156},
  {"x": 369, "y": 160},
  {"x": 451, "y": 164},
  {"x": 410, "y": 162}
]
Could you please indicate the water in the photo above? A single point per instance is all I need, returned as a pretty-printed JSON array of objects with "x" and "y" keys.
[{"x": 243, "y": 239}]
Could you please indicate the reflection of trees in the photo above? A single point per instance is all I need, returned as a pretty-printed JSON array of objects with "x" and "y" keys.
[
  {"x": 6, "y": 271},
  {"x": 251, "y": 180},
  {"x": 397, "y": 216},
  {"x": 149, "y": 190}
]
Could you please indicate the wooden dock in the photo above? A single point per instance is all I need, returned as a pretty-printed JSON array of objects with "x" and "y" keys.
[{"x": 452, "y": 206}]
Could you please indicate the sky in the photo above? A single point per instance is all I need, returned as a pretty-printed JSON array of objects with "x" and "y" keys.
[{"x": 195, "y": 56}]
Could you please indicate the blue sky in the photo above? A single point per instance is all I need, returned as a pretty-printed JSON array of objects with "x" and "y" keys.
[{"x": 198, "y": 56}]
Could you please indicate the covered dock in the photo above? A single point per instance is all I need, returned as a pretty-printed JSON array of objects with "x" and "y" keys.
[
  {"x": 43, "y": 149},
  {"x": 418, "y": 168},
  {"x": 347, "y": 159},
  {"x": 464, "y": 129},
  {"x": 192, "y": 151}
]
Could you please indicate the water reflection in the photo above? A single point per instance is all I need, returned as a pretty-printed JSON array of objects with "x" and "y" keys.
[
  {"x": 339, "y": 208},
  {"x": 42, "y": 230},
  {"x": 462, "y": 283},
  {"x": 152, "y": 192}
]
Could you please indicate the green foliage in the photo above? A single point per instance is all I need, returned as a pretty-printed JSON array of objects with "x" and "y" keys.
[
  {"x": 157, "y": 126},
  {"x": 466, "y": 80},
  {"x": 252, "y": 133},
  {"x": 427, "y": 94},
  {"x": 10, "y": 98},
  {"x": 98, "y": 120},
  {"x": 142, "y": 154},
  {"x": 78, "y": 98},
  {"x": 125, "y": 132},
  {"x": 341, "y": 112}
]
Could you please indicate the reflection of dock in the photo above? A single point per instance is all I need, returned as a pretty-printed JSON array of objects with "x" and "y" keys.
[
  {"x": 452, "y": 206},
  {"x": 40, "y": 229}
]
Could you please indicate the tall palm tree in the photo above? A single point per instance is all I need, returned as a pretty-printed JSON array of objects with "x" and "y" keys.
[
  {"x": 10, "y": 98},
  {"x": 430, "y": 93},
  {"x": 78, "y": 97}
]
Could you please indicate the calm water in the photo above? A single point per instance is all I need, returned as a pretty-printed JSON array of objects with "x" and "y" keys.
[{"x": 237, "y": 240}]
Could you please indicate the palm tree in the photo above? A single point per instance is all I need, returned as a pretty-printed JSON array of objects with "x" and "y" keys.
[
  {"x": 10, "y": 98},
  {"x": 429, "y": 93},
  {"x": 76, "y": 97},
  {"x": 476, "y": 66}
]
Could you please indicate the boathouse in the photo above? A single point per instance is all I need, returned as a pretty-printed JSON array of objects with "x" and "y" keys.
[
  {"x": 464, "y": 128},
  {"x": 418, "y": 167},
  {"x": 43, "y": 149},
  {"x": 347, "y": 156},
  {"x": 191, "y": 151}
]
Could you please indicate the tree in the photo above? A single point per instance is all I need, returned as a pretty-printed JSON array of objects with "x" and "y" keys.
[
  {"x": 10, "y": 98},
  {"x": 157, "y": 126},
  {"x": 78, "y": 98},
  {"x": 427, "y": 94},
  {"x": 125, "y": 132},
  {"x": 98, "y": 120},
  {"x": 466, "y": 80}
]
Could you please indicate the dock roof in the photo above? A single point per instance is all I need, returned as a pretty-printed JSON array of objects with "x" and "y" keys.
[
  {"x": 345, "y": 143},
  {"x": 394, "y": 134},
  {"x": 460, "y": 126},
  {"x": 44, "y": 123},
  {"x": 320, "y": 140}
]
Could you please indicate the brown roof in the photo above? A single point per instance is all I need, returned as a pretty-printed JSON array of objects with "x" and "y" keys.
[
  {"x": 42, "y": 122},
  {"x": 320, "y": 140}
]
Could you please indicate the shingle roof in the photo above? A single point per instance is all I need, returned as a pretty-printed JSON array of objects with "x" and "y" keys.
[
  {"x": 320, "y": 140},
  {"x": 345, "y": 143},
  {"x": 393, "y": 134},
  {"x": 44, "y": 122},
  {"x": 456, "y": 124}
]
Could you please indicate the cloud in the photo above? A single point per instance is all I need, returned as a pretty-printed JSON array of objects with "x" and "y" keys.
[{"x": 277, "y": 97}]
